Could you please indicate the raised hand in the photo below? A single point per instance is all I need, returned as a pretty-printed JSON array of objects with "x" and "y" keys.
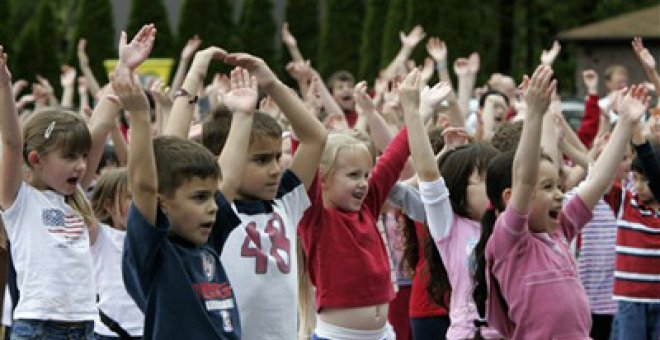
[
  {"x": 426, "y": 71},
  {"x": 130, "y": 94},
  {"x": 363, "y": 102},
  {"x": 243, "y": 95},
  {"x": 454, "y": 137},
  {"x": 5, "y": 75},
  {"x": 82, "y": 55},
  {"x": 632, "y": 103},
  {"x": 645, "y": 57},
  {"x": 45, "y": 84},
  {"x": 461, "y": 67},
  {"x": 267, "y": 105},
  {"x": 300, "y": 71},
  {"x": 409, "y": 91},
  {"x": 474, "y": 62},
  {"x": 137, "y": 51},
  {"x": 200, "y": 64},
  {"x": 18, "y": 87},
  {"x": 539, "y": 91},
  {"x": 549, "y": 56},
  {"x": 437, "y": 49},
  {"x": 255, "y": 65},
  {"x": 159, "y": 92},
  {"x": 590, "y": 78},
  {"x": 413, "y": 38},
  {"x": 433, "y": 96},
  {"x": 192, "y": 45},
  {"x": 68, "y": 76},
  {"x": 288, "y": 38}
]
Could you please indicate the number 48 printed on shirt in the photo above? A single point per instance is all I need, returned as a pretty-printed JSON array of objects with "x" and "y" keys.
[{"x": 280, "y": 246}]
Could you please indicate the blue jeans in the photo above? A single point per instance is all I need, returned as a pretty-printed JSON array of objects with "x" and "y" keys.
[
  {"x": 50, "y": 330},
  {"x": 636, "y": 321},
  {"x": 430, "y": 328}
]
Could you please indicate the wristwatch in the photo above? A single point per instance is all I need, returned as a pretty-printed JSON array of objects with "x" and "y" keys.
[{"x": 182, "y": 92}]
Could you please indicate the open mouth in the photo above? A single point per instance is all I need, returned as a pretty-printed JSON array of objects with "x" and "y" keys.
[
  {"x": 206, "y": 226},
  {"x": 554, "y": 214},
  {"x": 73, "y": 180},
  {"x": 358, "y": 195}
]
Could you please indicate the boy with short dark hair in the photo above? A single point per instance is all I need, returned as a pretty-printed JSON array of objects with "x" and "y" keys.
[
  {"x": 340, "y": 85},
  {"x": 260, "y": 255},
  {"x": 169, "y": 270}
]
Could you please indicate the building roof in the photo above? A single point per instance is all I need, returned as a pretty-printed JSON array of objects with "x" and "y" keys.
[{"x": 644, "y": 23}]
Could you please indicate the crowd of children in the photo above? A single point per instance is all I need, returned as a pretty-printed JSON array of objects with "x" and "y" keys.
[{"x": 342, "y": 211}]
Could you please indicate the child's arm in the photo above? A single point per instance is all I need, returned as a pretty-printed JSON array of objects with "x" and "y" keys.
[
  {"x": 242, "y": 101},
  {"x": 408, "y": 43},
  {"x": 466, "y": 71},
  {"x": 309, "y": 131},
  {"x": 434, "y": 193},
  {"x": 527, "y": 157},
  {"x": 68, "y": 81},
  {"x": 548, "y": 56},
  {"x": 142, "y": 175},
  {"x": 131, "y": 55},
  {"x": 648, "y": 62},
  {"x": 420, "y": 147},
  {"x": 186, "y": 96},
  {"x": 378, "y": 128},
  {"x": 630, "y": 105},
  {"x": 83, "y": 62},
  {"x": 12, "y": 138},
  {"x": 191, "y": 47},
  {"x": 589, "y": 125},
  {"x": 291, "y": 45}
]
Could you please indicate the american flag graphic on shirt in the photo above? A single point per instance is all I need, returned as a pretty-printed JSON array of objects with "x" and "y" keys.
[{"x": 70, "y": 226}]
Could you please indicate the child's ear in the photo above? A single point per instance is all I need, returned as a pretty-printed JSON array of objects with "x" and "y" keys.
[
  {"x": 108, "y": 205},
  {"x": 506, "y": 196},
  {"x": 162, "y": 202},
  {"x": 33, "y": 159}
]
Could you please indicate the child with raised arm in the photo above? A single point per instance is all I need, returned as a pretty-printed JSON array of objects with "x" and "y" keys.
[
  {"x": 171, "y": 273},
  {"x": 452, "y": 210},
  {"x": 259, "y": 256},
  {"x": 347, "y": 260},
  {"x": 48, "y": 219},
  {"x": 524, "y": 252}
]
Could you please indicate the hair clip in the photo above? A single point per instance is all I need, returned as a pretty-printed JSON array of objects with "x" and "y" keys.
[{"x": 49, "y": 130}]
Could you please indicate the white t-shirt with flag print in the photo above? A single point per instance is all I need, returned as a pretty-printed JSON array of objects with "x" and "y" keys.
[{"x": 50, "y": 248}]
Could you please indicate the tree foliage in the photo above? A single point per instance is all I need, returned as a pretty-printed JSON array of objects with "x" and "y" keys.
[
  {"x": 258, "y": 31},
  {"x": 212, "y": 21},
  {"x": 304, "y": 23},
  {"x": 37, "y": 47},
  {"x": 340, "y": 36},
  {"x": 372, "y": 37},
  {"x": 152, "y": 12},
  {"x": 396, "y": 14},
  {"x": 94, "y": 22}
]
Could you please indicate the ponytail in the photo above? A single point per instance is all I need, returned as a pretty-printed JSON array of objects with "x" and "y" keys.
[
  {"x": 78, "y": 201},
  {"x": 480, "y": 290},
  {"x": 498, "y": 179}
]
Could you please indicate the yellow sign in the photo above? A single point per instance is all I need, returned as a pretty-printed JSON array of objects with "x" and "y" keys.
[{"x": 154, "y": 67}]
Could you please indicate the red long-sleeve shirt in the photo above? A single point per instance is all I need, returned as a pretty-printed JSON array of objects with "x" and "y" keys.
[
  {"x": 589, "y": 125},
  {"x": 346, "y": 256}
]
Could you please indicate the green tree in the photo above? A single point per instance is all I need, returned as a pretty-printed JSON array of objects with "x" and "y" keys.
[
  {"x": 258, "y": 31},
  {"x": 340, "y": 33},
  {"x": 211, "y": 20},
  {"x": 94, "y": 22},
  {"x": 37, "y": 46},
  {"x": 396, "y": 14},
  {"x": 304, "y": 23},
  {"x": 372, "y": 36},
  {"x": 4, "y": 17},
  {"x": 152, "y": 12}
]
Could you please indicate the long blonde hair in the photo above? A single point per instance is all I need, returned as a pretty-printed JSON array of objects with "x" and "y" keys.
[{"x": 52, "y": 129}]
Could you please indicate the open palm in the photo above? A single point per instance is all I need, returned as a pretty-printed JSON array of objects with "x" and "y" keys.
[{"x": 137, "y": 51}]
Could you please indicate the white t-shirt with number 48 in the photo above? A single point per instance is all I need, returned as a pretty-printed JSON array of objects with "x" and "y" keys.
[{"x": 259, "y": 257}]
